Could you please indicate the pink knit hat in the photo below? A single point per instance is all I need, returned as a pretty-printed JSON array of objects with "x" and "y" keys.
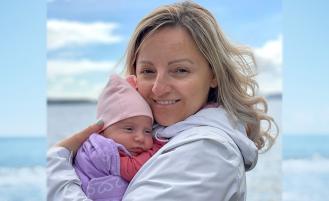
[{"x": 119, "y": 100}]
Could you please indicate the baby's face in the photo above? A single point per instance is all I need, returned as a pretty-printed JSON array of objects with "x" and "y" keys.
[{"x": 135, "y": 133}]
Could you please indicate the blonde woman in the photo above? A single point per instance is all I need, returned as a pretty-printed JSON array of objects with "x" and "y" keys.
[{"x": 201, "y": 90}]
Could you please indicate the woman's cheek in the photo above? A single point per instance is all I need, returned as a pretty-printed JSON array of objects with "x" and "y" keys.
[{"x": 144, "y": 89}]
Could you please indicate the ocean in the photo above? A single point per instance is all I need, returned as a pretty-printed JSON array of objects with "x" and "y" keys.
[
  {"x": 22, "y": 169},
  {"x": 295, "y": 169},
  {"x": 305, "y": 167}
]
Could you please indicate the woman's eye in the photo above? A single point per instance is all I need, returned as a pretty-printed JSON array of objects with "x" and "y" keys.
[
  {"x": 146, "y": 71},
  {"x": 181, "y": 70}
]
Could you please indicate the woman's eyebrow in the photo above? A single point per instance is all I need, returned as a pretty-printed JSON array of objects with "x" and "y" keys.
[
  {"x": 180, "y": 60},
  {"x": 145, "y": 62},
  {"x": 169, "y": 63}
]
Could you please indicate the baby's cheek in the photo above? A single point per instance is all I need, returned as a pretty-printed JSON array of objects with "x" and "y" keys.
[{"x": 149, "y": 143}]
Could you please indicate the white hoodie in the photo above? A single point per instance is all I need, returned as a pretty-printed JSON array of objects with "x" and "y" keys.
[{"x": 205, "y": 160}]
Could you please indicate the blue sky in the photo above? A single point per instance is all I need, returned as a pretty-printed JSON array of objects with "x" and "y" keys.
[
  {"x": 306, "y": 67},
  {"x": 78, "y": 64},
  {"x": 23, "y": 68}
]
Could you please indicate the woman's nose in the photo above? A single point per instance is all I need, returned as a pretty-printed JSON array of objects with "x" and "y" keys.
[{"x": 160, "y": 86}]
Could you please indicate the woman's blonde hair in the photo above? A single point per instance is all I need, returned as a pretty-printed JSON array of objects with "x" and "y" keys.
[{"x": 233, "y": 66}]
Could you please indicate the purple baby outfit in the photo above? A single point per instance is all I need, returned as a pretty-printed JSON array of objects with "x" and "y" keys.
[{"x": 97, "y": 163}]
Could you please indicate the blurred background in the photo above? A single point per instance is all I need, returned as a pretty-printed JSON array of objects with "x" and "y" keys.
[
  {"x": 23, "y": 107},
  {"x": 56, "y": 56},
  {"x": 87, "y": 41}
]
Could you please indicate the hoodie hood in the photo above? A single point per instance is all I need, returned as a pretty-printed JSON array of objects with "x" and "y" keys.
[{"x": 220, "y": 119}]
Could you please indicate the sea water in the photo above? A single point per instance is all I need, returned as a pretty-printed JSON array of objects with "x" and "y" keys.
[
  {"x": 22, "y": 169},
  {"x": 264, "y": 182},
  {"x": 305, "y": 167},
  {"x": 304, "y": 176}
]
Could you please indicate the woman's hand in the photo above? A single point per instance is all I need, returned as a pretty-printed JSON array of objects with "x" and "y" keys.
[{"x": 73, "y": 142}]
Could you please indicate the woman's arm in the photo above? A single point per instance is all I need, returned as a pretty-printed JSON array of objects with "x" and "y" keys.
[
  {"x": 200, "y": 170},
  {"x": 62, "y": 180},
  {"x": 73, "y": 142}
]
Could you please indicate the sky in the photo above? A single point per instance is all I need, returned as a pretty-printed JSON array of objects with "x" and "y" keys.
[
  {"x": 306, "y": 67},
  {"x": 23, "y": 68},
  {"x": 82, "y": 41}
]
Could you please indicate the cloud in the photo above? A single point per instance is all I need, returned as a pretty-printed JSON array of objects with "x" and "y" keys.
[
  {"x": 78, "y": 78},
  {"x": 77, "y": 67},
  {"x": 66, "y": 87},
  {"x": 269, "y": 64},
  {"x": 63, "y": 33},
  {"x": 269, "y": 56}
]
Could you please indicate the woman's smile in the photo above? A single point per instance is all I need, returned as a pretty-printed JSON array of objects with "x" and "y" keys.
[{"x": 165, "y": 102}]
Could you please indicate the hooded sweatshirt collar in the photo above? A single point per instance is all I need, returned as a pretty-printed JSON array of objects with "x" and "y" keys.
[{"x": 220, "y": 119}]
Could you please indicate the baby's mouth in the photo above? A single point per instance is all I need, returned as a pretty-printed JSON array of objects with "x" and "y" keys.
[{"x": 136, "y": 151}]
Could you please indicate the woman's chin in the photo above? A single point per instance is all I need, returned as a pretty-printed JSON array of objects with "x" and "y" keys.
[{"x": 167, "y": 120}]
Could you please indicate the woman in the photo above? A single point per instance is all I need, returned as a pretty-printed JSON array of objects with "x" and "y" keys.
[{"x": 202, "y": 93}]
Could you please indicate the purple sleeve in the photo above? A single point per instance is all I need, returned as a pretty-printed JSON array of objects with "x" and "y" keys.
[{"x": 97, "y": 165}]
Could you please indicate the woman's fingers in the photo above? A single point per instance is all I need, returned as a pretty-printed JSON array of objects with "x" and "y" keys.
[{"x": 73, "y": 142}]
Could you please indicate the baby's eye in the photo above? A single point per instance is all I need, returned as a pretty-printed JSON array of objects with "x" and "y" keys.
[
  {"x": 148, "y": 131},
  {"x": 128, "y": 129}
]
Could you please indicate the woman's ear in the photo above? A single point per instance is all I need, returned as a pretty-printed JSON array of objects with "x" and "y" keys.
[
  {"x": 213, "y": 82},
  {"x": 132, "y": 80}
]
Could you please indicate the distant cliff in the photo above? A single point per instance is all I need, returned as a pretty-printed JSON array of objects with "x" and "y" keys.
[
  {"x": 51, "y": 101},
  {"x": 70, "y": 101},
  {"x": 274, "y": 96}
]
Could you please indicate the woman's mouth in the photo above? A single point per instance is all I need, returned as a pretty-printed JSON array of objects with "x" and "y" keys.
[{"x": 166, "y": 102}]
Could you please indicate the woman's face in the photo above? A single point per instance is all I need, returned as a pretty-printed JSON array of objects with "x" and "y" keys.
[{"x": 172, "y": 75}]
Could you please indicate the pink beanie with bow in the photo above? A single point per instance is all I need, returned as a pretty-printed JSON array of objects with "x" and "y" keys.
[{"x": 119, "y": 100}]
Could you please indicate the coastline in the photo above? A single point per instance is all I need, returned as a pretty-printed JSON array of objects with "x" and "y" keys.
[{"x": 61, "y": 101}]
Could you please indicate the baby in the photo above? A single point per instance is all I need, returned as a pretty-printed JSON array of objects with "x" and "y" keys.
[{"x": 106, "y": 162}]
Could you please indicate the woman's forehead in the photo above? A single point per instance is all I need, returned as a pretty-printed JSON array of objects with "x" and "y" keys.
[{"x": 170, "y": 44}]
